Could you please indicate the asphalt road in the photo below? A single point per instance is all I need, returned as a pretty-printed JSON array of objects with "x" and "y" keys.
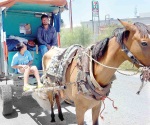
[{"x": 133, "y": 109}]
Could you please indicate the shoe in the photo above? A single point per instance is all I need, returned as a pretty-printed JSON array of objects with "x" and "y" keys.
[
  {"x": 40, "y": 86},
  {"x": 28, "y": 87}
]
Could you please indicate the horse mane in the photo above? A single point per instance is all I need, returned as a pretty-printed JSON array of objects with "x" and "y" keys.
[
  {"x": 143, "y": 29},
  {"x": 100, "y": 48}
]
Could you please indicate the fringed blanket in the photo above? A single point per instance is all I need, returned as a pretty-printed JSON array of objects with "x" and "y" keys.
[{"x": 59, "y": 63}]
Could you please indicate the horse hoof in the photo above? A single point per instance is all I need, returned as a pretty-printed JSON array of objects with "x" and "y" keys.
[
  {"x": 61, "y": 117},
  {"x": 53, "y": 120}
]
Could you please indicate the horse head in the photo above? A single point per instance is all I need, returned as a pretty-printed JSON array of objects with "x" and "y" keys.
[{"x": 136, "y": 38}]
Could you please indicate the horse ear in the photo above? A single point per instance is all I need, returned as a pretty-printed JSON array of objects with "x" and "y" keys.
[{"x": 128, "y": 26}]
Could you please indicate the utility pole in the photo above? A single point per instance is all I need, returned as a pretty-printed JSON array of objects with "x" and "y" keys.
[
  {"x": 70, "y": 15},
  {"x": 135, "y": 11},
  {"x": 95, "y": 14},
  {"x": 107, "y": 19}
]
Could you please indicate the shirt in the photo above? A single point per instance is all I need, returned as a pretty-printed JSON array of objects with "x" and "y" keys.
[
  {"x": 47, "y": 37},
  {"x": 19, "y": 59}
]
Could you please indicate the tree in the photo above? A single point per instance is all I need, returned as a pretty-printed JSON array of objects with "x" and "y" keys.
[{"x": 79, "y": 35}]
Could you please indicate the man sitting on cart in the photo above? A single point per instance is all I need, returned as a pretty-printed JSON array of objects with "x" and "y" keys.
[
  {"x": 22, "y": 63},
  {"x": 46, "y": 35}
]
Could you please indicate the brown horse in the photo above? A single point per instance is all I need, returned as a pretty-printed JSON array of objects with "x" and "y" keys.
[{"x": 129, "y": 43}]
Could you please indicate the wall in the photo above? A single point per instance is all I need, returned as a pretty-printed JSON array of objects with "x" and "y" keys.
[{"x": 12, "y": 21}]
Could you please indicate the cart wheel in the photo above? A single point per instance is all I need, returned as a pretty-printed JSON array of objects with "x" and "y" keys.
[{"x": 6, "y": 99}]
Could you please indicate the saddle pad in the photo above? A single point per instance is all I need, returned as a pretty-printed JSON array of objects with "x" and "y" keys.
[{"x": 59, "y": 63}]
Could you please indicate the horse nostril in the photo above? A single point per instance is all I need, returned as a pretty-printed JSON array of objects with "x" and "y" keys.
[{"x": 144, "y": 44}]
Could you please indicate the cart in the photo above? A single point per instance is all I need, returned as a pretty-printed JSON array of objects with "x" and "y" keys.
[{"x": 13, "y": 19}]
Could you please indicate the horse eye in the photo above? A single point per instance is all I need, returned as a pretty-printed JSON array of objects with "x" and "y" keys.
[{"x": 144, "y": 43}]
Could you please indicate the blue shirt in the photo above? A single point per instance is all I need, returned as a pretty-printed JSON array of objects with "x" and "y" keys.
[
  {"x": 47, "y": 37},
  {"x": 19, "y": 59}
]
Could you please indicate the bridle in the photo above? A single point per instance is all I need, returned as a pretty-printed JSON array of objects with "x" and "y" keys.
[{"x": 130, "y": 55}]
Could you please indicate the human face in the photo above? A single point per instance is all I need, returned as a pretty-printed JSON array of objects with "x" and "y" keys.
[
  {"x": 45, "y": 21},
  {"x": 24, "y": 47}
]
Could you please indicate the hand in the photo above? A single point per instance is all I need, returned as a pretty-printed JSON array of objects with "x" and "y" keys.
[
  {"x": 23, "y": 66},
  {"x": 48, "y": 47},
  {"x": 20, "y": 66}
]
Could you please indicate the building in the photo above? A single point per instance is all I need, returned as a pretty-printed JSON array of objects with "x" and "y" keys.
[{"x": 98, "y": 26}]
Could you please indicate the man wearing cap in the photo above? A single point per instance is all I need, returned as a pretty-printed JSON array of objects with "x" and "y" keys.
[{"x": 46, "y": 35}]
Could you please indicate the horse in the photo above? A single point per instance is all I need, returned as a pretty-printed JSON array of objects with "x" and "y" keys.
[{"x": 132, "y": 43}]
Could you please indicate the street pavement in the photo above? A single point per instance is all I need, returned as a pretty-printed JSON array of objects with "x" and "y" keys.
[{"x": 133, "y": 109}]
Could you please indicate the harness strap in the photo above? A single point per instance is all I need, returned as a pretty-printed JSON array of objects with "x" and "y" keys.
[
  {"x": 98, "y": 94},
  {"x": 129, "y": 54},
  {"x": 92, "y": 76},
  {"x": 145, "y": 77},
  {"x": 86, "y": 77}
]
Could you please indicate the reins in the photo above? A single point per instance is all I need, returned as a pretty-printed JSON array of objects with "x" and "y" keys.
[
  {"x": 129, "y": 74},
  {"x": 111, "y": 67},
  {"x": 104, "y": 106}
]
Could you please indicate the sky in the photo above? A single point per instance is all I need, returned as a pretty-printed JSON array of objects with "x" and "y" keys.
[{"x": 81, "y": 9}]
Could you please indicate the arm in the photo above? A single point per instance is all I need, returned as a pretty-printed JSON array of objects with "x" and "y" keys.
[
  {"x": 39, "y": 37},
  {"x": 17, "y": 66},
  {"x": 30, "y": 58},
  {"x": 30, "y": 63},
  {"x": 22, "y": 66},
  {"x": 14, "y": 63}
]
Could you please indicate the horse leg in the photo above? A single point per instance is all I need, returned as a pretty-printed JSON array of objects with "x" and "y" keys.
[
  {"x": 95, "y": 114},
  {"x": 51, "y": 100},
  {"x": 80, "y": 111},
  {"x": 52, "y": 114},
  {"x": 60, "y": 115}
]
